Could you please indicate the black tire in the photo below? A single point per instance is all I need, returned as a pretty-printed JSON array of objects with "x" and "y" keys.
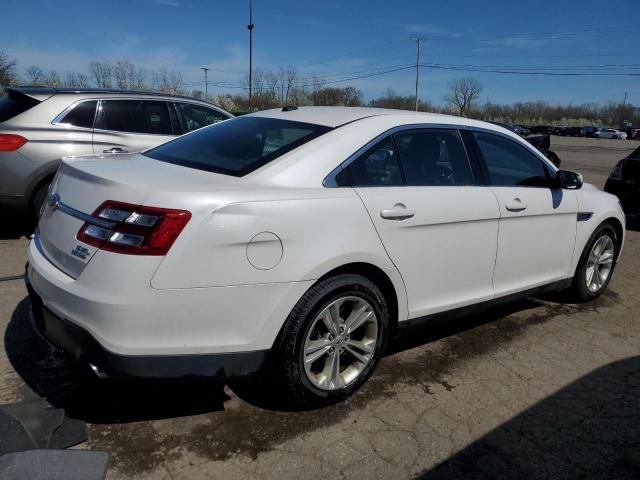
[
  {"x": 615, "y": 137},
  {"x": 287, "y": 367},
  {"x": 37, "y": 200},
  {"x": 579, "y": 290}
]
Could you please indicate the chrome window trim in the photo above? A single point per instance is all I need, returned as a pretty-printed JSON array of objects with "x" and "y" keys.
[
  {"x": 226, "y": 115},
  {"x": 101, "y": 130},
  {"x": 330, "y": 180},
  {"x": 57, "y": 121}
]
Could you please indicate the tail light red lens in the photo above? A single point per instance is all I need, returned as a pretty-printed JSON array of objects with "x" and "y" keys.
[
  {"x": 133, "y": 229},
  {"x": 10, "y": 142}
]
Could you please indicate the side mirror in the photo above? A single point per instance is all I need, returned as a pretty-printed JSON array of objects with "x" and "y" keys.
[{"x": 569, "y": 180}]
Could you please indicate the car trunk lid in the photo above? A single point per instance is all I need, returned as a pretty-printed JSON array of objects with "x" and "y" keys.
[{"x": 82, "y": 185}]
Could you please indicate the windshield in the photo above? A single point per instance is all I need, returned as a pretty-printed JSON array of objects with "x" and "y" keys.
[{"x": 238, "y": 146}]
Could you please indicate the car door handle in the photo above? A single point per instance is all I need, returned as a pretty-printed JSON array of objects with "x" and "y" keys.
[
  {"x": 516, "y": 205},
  {"x": 398, "y": 212},
  {"x": 114, "y": 150}
]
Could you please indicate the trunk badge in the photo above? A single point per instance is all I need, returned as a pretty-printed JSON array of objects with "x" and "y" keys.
[{"x": 81, "y": 252}]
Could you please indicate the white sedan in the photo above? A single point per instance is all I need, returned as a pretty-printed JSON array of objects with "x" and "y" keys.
[
  {"x": 296, "y": 242},
  {"x": 610, "y": 133}
]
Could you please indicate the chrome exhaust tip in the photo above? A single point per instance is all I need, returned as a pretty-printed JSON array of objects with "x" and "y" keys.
[{"x": 98, "y": 372}]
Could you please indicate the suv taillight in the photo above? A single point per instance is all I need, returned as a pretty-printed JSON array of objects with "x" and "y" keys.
[
  {"x": 135, "y": 229},
  {"x": 10, "y": 142},
  {"x": 617, "y": 171}
]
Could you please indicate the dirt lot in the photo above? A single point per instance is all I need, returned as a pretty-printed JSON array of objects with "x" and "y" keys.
[{"x": 534, "y": 390}]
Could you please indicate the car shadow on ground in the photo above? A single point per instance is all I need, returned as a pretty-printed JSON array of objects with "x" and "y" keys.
[
  {"x": 69, "y": 385},
  {"x": 589, "y": 429},
  {"x": 13, "y": 225},
  {"x": 633, "y": 223}
]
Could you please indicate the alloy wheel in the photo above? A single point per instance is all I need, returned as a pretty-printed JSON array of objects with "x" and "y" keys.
[
  {"x": 340, "y": 343},
  {"x": 599, "y": 263}
]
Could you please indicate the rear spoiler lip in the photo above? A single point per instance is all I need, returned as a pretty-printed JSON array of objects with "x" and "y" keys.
[{"x": 38, "y": 94}]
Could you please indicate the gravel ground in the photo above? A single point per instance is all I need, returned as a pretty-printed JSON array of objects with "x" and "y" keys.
[{"x": 536, "y": 389}]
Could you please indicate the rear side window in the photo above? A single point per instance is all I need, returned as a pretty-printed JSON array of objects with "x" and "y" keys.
[
  {"x": 81, "y": 115},
  {"x": 237, "y": 147},
  {"x": 14, "y": 104},
  {"x": 378, "y": 167},
  {"x": 197, "y": 116},
  {"x": 135, "y": 116},
  {"x": 432, "y": 157},
  {"x": 509, "y": 164}
]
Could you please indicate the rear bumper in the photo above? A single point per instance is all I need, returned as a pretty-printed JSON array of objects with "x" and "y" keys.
[{"x": 68, "y": 337}]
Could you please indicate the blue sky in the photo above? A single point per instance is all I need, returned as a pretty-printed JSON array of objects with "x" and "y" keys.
[{"x": 332, "y": 39}]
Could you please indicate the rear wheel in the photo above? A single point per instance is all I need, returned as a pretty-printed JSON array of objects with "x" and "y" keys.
[
  {"x": 597, "y": 263},
  {"x": 331, "y": 341}
]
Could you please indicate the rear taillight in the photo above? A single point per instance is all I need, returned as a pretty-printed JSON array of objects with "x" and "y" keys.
[
  {"x": 617, "y": 171},
  {"x": 133, "y": 229},
  {"x": 10, "y": 142}
]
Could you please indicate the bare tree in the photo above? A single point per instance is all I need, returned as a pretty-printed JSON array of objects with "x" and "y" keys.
[
  {"x": 34, "y": 74},
  {"x": 73, "y": 79},
  {"x": 123, "y": 73},
  {"x": 102, "y": 73},
  {"x": 52, "y": 79},
  {"x": 139, "y": 77},
  {"x": 7, "y": 70},
  {"x": 463, "y": 94}
]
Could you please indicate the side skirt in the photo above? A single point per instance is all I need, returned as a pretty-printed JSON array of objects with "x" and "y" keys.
[{"x": 418, "y": 322}]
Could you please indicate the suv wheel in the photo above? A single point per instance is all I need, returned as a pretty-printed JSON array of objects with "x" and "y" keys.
[
  {"x": 331, "y": 341},
  {"x": 596, "y": 264}
]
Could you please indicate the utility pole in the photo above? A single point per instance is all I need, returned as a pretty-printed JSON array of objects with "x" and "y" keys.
[
  {"x": 418, "y": 41},
  {"x": 624, "y": 102},
  {"x": 250, "y": 28},
  {"x": 206, "y": 83}
]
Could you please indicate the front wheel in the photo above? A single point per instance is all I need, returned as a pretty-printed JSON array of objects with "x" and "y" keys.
[
  {"x": 596, "y": 264},
  {"x": 331, "y": 341}
]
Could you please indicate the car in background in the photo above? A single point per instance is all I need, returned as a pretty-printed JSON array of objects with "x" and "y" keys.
[
  {"x": 39, "y": 126},
  {"x": 610, "y": 133},
  {"x": 590, "y": 130},
  {"x": 541, "y": 130},
  {"x": 573, "y": 132},
  {"x": 559, "y": 129},
  {"x": 633, "y": 133},
  {"x": 624, "y": 182},
  {"x": 296, "y": 242},
  {"x": 521, "y": 130}
]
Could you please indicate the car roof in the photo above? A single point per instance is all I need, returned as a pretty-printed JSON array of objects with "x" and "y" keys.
[
  {"x": 337, "y": 116},
  {"x": 42, "y": 93}
]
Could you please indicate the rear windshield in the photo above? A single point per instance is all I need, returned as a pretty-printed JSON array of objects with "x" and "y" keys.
[
  {"x": 14, "y": 104},
  {"x": 238, "y": 146}
]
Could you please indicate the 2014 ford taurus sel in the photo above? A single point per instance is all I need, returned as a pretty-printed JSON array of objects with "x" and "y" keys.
[{"x": 301, "y": 239}]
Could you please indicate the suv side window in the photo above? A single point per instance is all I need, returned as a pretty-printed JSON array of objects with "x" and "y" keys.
[
  {"x": 433, "y": 157},
  {"x": 509, "y": 164},
  {"x": 81, "y": 115},
  {"x": 135, "y": 116},
  {"x": 197, "y": 116},
  {"x": 378, "y": 167}
]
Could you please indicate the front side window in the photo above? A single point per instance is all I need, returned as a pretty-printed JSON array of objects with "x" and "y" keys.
[
  {"x": 509, "y": 164},
  {"x": 81, "y": 115},
  {"x": 237, "y": 147},
  {"x": 197, "y": 116},
  {"x": 135, "y": 116},
  {"x": 378, "y": 167},
  {"x": 433, "y": 157}
]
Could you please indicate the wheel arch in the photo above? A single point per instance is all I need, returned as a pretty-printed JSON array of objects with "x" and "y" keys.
[{"x": 382, "y": 280}]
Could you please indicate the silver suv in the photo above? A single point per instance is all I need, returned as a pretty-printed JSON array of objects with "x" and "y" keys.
[{"x": 39, "y": 126}]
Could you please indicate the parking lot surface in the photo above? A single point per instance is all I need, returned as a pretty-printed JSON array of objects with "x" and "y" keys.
[{"x": 536, "y": 389}]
